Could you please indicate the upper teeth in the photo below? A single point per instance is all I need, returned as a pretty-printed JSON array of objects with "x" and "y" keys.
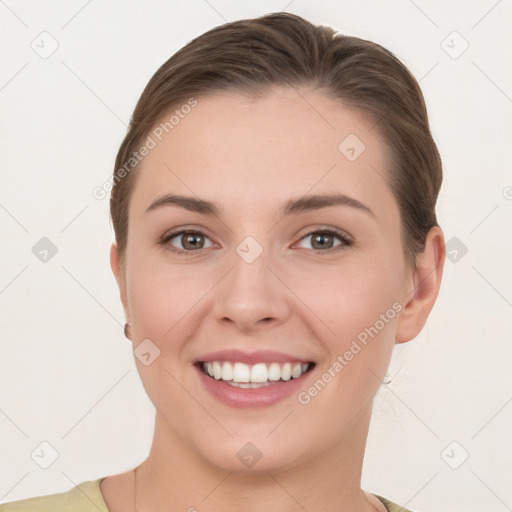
[{"x": 240, "y": 372}]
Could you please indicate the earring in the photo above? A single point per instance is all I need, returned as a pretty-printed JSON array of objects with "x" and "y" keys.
[{"x": 126, "y": 326}]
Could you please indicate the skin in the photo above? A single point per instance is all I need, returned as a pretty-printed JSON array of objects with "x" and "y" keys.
[{"x": 314, "y": 305}]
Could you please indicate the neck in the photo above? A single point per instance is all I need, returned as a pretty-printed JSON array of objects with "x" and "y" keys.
[{"x": 174, "y": 477}]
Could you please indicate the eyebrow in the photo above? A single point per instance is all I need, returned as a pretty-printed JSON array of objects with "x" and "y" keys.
[{"x": 291, "y": 207}]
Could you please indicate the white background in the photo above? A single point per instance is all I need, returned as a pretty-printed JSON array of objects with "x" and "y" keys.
[{"x": 67, "y": 373}]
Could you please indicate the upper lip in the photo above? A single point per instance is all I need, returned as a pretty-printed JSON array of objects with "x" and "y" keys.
[{"x": 260, "y": 356}]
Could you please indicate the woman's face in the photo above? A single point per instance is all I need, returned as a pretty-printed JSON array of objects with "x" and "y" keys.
[{"x": 261, "y": 284}]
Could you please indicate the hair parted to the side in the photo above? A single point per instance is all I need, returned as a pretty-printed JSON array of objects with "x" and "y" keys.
[{"x": 281, "y": 49}]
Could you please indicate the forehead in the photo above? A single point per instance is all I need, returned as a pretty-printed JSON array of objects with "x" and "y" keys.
[{"x": 251, "y": 152}]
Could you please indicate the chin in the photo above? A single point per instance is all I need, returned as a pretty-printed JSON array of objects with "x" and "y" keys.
[
  {"x": 251, "y": 464},
  {"x": 252, "y": 457}
]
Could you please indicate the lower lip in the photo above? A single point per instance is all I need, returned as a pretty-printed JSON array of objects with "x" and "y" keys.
[{"x": 251, "y": 397}]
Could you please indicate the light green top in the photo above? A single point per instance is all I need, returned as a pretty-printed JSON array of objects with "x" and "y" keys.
[{"x": 87, "y": 497}]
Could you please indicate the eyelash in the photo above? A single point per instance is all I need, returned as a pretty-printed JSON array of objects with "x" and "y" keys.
[{"x": 324, "y": 230}]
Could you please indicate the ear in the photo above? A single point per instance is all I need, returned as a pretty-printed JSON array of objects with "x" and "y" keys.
[
  {"x": 423, "y": 287},
  {"x": 120, "y": 278}
]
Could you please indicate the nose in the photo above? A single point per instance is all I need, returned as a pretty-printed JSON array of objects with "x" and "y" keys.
[{"x": 252, "y": 295}]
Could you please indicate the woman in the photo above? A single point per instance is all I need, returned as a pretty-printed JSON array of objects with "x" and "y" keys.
[{"x": 274, "y": 210}]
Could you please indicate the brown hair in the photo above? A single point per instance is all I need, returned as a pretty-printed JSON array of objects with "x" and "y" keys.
[{"x": 252, "y": 55}]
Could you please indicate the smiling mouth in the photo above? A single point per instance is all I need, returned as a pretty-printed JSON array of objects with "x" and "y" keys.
[{"x": 259, "y": 375}]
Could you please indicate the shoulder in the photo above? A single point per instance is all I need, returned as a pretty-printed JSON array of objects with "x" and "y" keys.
[
  {"x": 84, "y": 497},
  {"x": 390, "y": 506}
]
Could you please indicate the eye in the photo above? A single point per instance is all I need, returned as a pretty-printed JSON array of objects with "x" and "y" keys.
[
  {"x": 323, "y": 239},
  {"x": 189, "y": 240}
]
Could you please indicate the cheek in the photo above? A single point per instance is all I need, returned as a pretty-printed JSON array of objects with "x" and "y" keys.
[
  {"x": 360, "y": 307},
  {"x": 350, "y": 297},
  {"x": 164, "y": 299},
  {"x": 162, "y": 303},
  {"x": 358, "y": 310}
]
